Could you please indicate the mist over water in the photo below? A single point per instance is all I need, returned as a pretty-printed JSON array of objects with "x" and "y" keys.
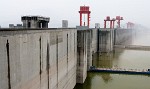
[
  {"x": 122, "y": 58},
  {"x": 141, "y": 37}
]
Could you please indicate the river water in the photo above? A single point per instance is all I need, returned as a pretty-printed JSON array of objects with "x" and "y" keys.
[{"x": 121, "y": 58}]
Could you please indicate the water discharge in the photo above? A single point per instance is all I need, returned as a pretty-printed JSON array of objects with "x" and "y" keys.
[{"x": 121, "y": 58}]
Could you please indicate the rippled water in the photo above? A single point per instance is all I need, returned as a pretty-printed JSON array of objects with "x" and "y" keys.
[{"x": 128, "y": 59}]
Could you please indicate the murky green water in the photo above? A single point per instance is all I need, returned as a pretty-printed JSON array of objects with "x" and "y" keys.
[{"x": 128, "y": 59}]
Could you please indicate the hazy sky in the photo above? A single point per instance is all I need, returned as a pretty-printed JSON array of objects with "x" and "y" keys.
[{"x": 136, "y": 11}]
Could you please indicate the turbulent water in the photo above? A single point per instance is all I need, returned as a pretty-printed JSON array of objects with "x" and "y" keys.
[{"x": 127, "y": 59}]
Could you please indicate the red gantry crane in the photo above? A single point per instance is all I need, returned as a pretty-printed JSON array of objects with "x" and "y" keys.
[
  {"x": 106, "y": 20},
  {"x": 85, "y": 10},
  {"x": 130, "y": 25},
  {"x": 118, "y": 18},
  {"x": 112, "y": 22}
]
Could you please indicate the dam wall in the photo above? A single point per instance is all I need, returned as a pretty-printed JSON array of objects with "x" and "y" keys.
[
  {"x": 55, "y": 58},
  {"x": 38, "y": 59}
]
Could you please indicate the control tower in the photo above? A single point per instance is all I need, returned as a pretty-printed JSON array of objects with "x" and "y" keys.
[{"x": 35, "y": 21}]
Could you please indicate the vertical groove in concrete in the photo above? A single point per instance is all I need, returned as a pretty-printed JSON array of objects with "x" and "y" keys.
[
  {"x": 111, "y": 41},
  {"x": 67, "y": 54},
  {"x": 47, "y": 67},
  {"x": 57, "y": 57},
  {"x": 79, "y": 49},
  {"x": 40, "y": 61},
  {"x": 8, "y": 61},
  {"x": 98, "y": 41},
  {"x": 89, "y": 49},
  {"x": 74, "y": 48},
  {"x": 84, "y": 45},
  {"x": 115, "y": 37},
  {"x": 74, "y": 44}
]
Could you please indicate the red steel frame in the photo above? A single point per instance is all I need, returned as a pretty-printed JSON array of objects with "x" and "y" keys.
[
  {"x": 112, "y": 22},
  {"x": 85, "y": 10}
]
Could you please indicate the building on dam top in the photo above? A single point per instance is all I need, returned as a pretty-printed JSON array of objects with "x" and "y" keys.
[
  {"x": 64, "y": 23},
  {"x": 17, "y": 26},
  {"x": 35, "y": 21}
]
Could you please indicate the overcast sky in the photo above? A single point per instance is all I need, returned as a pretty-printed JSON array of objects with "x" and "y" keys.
[{"x": 137, "y": 11}]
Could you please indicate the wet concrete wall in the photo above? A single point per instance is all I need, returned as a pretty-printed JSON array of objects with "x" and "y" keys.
[
  {"x": 86, "y": 46},
  {"x": 89, "y": 48},
  {"x": 35, "y": 59},
  {"x": 105, "y": 40},
  {"x": 94, "y": 37},
  {"x": 81, "y": 56}
]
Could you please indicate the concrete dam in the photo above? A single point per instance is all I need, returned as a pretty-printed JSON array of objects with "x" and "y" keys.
[{"x": 52, "y": 58}]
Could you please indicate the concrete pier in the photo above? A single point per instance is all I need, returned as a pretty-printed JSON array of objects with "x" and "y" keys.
[
  {"x": 86, "y": 46},
  {"x": 94, "y": 37},
  {"x": 81, "y": 55},
  {"x": 89, "y": 49},
  {"x": 106, "y": 39}
]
